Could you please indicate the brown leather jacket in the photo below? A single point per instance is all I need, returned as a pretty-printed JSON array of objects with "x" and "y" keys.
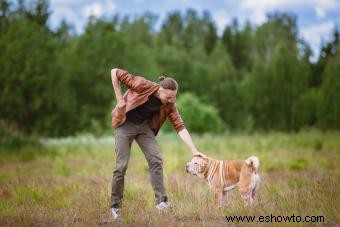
[{"x": 139, "y": 89}]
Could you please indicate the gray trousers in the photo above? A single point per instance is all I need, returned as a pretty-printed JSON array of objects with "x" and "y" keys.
[{"x": 124, "y": 136}]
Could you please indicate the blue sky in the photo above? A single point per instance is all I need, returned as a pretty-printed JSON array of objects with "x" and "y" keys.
[{"x": 316, "y": 18}]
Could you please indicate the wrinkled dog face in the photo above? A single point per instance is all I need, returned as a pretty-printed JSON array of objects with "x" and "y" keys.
[{"x": 197, "y": 166}]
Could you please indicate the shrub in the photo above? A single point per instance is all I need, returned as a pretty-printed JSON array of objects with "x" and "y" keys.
[
  {"x": 11, "y": 139},
  {"x": 198, "y": 117}
]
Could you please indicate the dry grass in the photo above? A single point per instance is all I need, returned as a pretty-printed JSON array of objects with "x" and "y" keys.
[{"x": 69, "y": 182}]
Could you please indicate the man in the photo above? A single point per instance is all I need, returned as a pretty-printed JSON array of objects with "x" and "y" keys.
[{"x": 138, "y": 115}]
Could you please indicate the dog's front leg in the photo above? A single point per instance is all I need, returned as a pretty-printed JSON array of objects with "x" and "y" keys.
[
  {"x": 218, "y": 196},
  {"x": 225, "y": 201}
]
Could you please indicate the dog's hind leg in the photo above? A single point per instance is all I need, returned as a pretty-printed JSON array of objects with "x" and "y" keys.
[
  {"x": 255, "y": 186},
  {"x": 246, "y": 195}
]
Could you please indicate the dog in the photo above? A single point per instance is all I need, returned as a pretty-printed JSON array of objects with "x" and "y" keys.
[{"x": 223, "y": 176}]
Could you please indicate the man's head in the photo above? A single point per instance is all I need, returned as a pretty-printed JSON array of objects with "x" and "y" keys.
[{"x": 167, "y": 89}]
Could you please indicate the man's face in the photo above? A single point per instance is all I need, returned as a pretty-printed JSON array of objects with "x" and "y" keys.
[{"x": 167, "y": 95}]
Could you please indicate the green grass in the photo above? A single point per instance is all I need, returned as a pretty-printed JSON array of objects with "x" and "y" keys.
[{"x": 68, "y": 181}]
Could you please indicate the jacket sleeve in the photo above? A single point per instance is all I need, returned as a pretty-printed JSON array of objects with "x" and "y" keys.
[
  {"x": 175, "y": 119},
  {"x": 136, "y": 83}
]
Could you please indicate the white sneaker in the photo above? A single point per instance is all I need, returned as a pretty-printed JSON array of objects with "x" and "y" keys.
[
  {"x": 164, "y": 206},
  {"x": 115, "y": 213}
]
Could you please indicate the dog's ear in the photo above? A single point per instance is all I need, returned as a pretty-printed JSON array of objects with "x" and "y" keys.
[{"x": 201, "y": 155}]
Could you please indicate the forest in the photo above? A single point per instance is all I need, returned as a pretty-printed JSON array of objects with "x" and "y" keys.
[{"x": 250, "y": 78}]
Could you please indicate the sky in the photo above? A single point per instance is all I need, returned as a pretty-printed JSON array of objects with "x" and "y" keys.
[{"x": 316, "y": 19}]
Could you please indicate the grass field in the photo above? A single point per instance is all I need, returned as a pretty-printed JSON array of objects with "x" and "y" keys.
[{"x": 68, "y": 181}]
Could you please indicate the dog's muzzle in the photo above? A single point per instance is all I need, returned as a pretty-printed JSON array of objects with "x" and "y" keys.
[{"x": 186, "y": 168}]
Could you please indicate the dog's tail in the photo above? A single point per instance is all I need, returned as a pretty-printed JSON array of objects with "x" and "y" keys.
[{"x": 254, "y": 162}]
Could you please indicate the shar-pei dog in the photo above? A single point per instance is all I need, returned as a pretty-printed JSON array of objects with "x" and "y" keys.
[{"x": 223, "y": 176}]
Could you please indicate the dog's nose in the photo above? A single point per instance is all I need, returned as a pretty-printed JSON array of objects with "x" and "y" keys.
[{"x": 186, "y": 168}]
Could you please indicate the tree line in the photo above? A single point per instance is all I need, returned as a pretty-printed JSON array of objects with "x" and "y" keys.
[{"x": 57, "y": 82}]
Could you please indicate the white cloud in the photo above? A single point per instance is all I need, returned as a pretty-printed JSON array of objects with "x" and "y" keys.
[
  {"x": 314, "y": 34},
  {"x": 77, "y": 12},
  {"x": 321, "y": 6},
  {"x": 327, "y": 4},
  {"x": 222, "y": 18},
  {"x": 257, "y": 9},
  {"x": 99, "y": 8},
  {"x": 94, "y": 9},
  {"x": 138, "y": 1},
  {"x": 319, "y": 12},
  {"x": 317, "y": 30},
  {"x": 66, "y": 13},
  {"x": 58, "y": 2},
  {"x": 290, "y": 4},
  {"x": 110, "y": 6}
]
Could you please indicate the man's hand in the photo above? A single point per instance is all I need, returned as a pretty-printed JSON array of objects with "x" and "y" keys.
[
  {"x": 121, "y": 103},
  {"x": 197, "y": 153},
  {"x": 113, "y": 71},
  {"x": 185, "y": 136}
]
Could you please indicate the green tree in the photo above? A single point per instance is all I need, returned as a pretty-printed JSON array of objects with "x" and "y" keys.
[
  {"x": 331, "y": 94},
  {"x": 328, "y": 50},
  {"x": 309, "y": 108},
  {"x": 172, "y": 30},
  {"x": 273, "y": 90},
  {"x": 139, "y": 40},
  {"x": 222, "y": 84},
  {"x": 175, "y": 63},
  {"x": 140, "y": 29},
  {"x": 4, "y": 15},
  {"x": 210, "y": 35},
  {"x": 28, "y": 88},
  {"x": 239, "y": 44},
  {"x": 39, "y": 12},
  {"x": 90, "y": 59},
  {"x": 279, "y": 28}
]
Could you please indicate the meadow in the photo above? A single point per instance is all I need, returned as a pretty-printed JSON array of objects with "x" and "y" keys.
[{"x": 67, "y": 181}]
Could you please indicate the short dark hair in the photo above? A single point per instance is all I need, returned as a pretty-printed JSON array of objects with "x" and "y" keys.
[{"x": 168, "y": 83}]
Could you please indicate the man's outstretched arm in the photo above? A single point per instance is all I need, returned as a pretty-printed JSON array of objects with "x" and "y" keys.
[{"x": 185, "y": 136}]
